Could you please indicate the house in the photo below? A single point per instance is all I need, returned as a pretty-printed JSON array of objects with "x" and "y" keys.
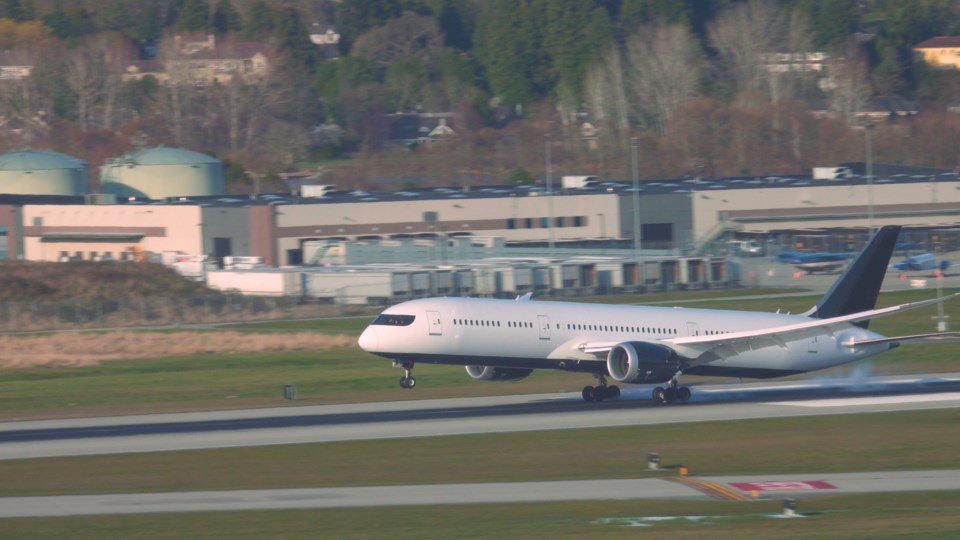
[
  {"x": 887, "y": 108},
  {"x": 202, "y": 62},
  {"x": 940, "y": 52},
  {"x": 412, "y": 129}
]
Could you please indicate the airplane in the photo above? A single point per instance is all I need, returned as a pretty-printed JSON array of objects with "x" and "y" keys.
[
  {"x": 504, "y": 340},
  {"x": 815, "y": 262},
  {"x": 923, "y": 261}
]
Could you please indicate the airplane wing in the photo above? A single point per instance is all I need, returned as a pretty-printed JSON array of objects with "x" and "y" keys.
[{"x": 703, "y": 349}]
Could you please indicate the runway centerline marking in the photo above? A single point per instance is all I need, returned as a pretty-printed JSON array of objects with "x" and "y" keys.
[{"x": 880, "y": 400}]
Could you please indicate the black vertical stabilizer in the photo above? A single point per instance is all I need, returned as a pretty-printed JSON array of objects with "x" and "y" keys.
[{"x": 858, "y": 287}]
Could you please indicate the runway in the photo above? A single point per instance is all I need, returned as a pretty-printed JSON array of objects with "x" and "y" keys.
[
  {"x": 429, "y": 418},
  {"x": 767, "y": 487}
]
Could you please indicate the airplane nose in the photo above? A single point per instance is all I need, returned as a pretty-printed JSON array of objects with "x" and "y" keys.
[{"x": 368, "y": 340}]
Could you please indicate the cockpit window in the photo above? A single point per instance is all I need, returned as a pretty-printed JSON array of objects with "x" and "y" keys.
[{"x": 389, "y": 319}]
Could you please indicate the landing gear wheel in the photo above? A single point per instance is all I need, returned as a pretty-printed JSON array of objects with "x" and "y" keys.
[
  {"x": 683, "y": 394},
  {"x": 671, "y": 394},
  {"x": 613, "y": 391},
  {"x": 659, "y": 395},
  {"x": 589, "y": 394},
  {"x": 407, "y": 382}
]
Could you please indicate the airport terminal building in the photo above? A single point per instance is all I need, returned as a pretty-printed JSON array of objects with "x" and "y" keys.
[{"x": 675, "y": 216}]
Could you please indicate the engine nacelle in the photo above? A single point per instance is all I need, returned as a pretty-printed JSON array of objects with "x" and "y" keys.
[
  {"x": 640, "y": 362},
  {"x": 490, "y": 373}
]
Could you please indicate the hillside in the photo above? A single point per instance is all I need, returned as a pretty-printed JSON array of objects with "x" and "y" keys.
[{"x": 38, "y": 281}]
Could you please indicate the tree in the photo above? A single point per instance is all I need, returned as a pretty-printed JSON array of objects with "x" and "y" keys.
[
  {"x": 754, "y": 55},
  {"x": 508, "y": 48},
  {"x": 293, "y": 39},
  {"x": 357, "y": 16},
  {"x": 455, "y": 77},
  {"x": 664, "y": 66},
  {"x": 849, "y": 80},
  {"x": 193, "y": 15},
  {"x": 409, "y": 36},
  {"x": 259, "y": 21},
  {"x": 226, "y": 18},
  {"x": 13, "y": 10},
  {"x": 606, "y": 89},
  {"x": 832, "y": 21},
  {"x": 404, "y": 81}
]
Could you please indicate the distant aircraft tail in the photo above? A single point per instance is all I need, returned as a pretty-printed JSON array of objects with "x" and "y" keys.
[{"x": 857, "y": 289}]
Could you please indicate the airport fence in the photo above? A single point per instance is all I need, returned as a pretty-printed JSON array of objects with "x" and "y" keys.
[{"x": 164, "y": 312}]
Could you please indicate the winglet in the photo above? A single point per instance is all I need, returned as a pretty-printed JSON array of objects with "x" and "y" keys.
[{"x": 858, "y": 287}]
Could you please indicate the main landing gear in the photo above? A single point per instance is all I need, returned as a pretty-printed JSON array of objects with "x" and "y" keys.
[
  {"x": 602, "y": 391},
  {"x": 407, "y": 381},
  {"x": 672, "y": 393}
]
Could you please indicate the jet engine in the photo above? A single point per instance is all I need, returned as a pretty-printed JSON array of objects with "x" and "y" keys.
[
  {"x": 490, "y": 373},
  {"x": 641, "y": 362}
]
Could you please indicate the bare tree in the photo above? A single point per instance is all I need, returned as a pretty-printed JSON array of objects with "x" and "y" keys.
[
  {"x": 86, "y": 70},
  {"x": 606, "y": 89},
  {"x": 760, "y": 45},
  {"x": 664, "y": 65},
  {"x": 849, "y": 82}
]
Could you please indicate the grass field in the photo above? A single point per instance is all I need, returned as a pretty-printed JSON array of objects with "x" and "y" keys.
[
  {"x": 347, "y": 374},
  {"x": 902, "y": 515},
  {"x": 888, "y": 441}
]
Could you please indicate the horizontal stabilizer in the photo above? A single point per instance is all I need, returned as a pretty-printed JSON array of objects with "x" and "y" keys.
[{"x": 936, "y": 337}]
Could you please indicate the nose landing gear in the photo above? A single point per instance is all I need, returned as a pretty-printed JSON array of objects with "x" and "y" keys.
[{"x": 407, "y": 381}]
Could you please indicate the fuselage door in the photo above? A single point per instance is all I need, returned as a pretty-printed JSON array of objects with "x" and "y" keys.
[
  {"x": 544, "y": 322},
  {"x": 812, "y": 345},
  {"x": 693, "y": 329},
  {"x": 433, "y": 319}
]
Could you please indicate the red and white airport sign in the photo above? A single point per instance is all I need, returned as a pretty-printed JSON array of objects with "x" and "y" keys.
[{"x": 808, "y": 485}]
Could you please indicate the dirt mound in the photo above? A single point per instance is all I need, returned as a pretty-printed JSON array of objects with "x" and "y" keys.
[{"x": 22, "y": 281}]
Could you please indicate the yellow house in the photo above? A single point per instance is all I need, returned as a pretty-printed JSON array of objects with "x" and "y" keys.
[{"x": 941, "y": 51}]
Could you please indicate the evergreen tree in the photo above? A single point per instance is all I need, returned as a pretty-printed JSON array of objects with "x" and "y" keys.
[
  {"x": 148, "y": 29},
  {"x": 357, "y": 16},
  {"x": 193, "y": 15},
  {"x": 226, "y": 18},
  {"x": 259, "y": 22},
  {"x": 12, "y": 9},
  {"x": 507, "y": 45},
  {"x": 117, "y": 17},
  {"x": 69, "y": 24},
  {"x": 832, "y": 21},
  {"x": 293, "y": 37},
  {"x": 455, "y": 21}
]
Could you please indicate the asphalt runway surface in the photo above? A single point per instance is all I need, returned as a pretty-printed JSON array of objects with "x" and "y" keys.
[
  {"x": 429, "y": 418},
  {"x": 365, "y": 421},
  {"x": 706, "y": 488}
]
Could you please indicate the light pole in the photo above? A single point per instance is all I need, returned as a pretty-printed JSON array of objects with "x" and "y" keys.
[
  {"x": 634, "y": 145},
  {"x": 603, "y": 233},
  {"x": 868, "y": 130},
  {"x": 546, "y": 144}
]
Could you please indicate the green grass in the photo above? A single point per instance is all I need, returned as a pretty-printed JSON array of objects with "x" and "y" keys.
[
  {"x": 350, "y": 375},
  {"x": 902, "y": 515},
  {"x": 888, "y": 441},
  {"x": 882, "y": 441}
]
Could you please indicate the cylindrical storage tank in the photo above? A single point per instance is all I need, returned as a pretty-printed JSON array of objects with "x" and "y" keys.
[
  {"x": 158, "y": 173},
  {"x": 42, "y": 172}
]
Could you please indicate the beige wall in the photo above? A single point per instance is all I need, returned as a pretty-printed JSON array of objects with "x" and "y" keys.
[
  {"x": 829, "y": 206},
  {"x": 109, "y": 228},
  {"x": 486, "y": 217}
]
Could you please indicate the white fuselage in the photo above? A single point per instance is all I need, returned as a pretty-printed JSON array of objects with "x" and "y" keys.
[{"x": 555, "y": 335}]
